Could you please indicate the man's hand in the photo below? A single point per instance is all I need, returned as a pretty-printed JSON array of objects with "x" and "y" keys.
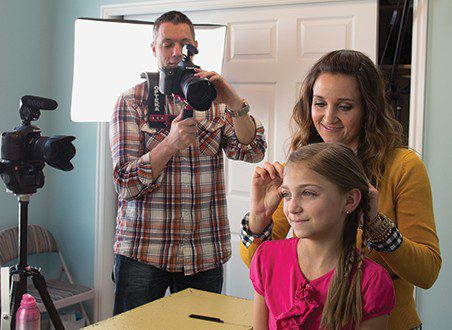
[
  {"x": 182, "y": 133},
  {"x": 265, "y": 195},
  {"x": 225, "y": 93}
]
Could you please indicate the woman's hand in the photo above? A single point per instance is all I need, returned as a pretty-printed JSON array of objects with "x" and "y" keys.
[
  {"x": 265, "y": 195},
  {"x": 373, "y": 202}
]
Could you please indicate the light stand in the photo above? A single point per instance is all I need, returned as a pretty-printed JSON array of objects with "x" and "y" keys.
[{"x": 394, "y": 92}]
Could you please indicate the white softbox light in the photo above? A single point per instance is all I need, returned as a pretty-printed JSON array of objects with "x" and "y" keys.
[{"x": 110, "y": 55}]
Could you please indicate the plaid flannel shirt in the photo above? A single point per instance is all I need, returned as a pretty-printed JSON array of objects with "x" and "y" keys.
[{"x": 178, "y": 221}]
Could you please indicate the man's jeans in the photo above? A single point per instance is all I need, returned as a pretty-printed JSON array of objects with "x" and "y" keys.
[{"x": 137, "y": 284}]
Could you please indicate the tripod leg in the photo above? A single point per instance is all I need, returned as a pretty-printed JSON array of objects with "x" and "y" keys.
[
  {"x": 6, "y": 303},
  {"x": 18, "y": 288},
  {"x": 40, "y": 284}
]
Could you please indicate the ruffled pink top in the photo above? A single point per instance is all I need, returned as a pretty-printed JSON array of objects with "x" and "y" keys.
[{"x": 296, "y": 303}]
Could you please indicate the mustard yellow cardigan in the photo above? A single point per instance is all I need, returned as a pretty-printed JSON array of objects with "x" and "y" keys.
[{"x": 405, "y": 197}]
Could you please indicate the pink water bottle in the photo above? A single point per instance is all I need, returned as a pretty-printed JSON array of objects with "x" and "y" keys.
[{"x": 28, "y": 316}]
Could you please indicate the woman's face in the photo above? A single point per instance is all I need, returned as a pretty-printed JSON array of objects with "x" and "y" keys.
[
  {"x": 336, "y": 109},
  {"x": 314, "y": 206}
]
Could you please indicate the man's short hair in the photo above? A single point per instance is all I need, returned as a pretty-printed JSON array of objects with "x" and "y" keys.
[{"x": 175, "y": 17}]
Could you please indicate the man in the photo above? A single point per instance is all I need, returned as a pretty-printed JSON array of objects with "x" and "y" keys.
[{"x": 172, "y": 228}]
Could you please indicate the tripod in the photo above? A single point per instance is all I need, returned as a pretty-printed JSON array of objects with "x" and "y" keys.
[
  {"x": 24, "y": 154},
  {"x": 20, "y": 272}
]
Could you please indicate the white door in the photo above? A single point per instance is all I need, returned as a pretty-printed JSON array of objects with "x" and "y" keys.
[{"x": 268, "y": 52}]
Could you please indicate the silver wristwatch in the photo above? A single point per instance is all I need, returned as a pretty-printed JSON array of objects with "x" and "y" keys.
[{"x": 241, "y": 112}]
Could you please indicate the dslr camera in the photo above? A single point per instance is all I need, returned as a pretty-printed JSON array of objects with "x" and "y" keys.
[
  {"x": 198, "y": 92},
  {"x": 25, "y": 152}
]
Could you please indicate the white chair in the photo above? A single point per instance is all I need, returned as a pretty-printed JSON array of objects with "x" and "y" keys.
[{"x": 62, "y": 292}]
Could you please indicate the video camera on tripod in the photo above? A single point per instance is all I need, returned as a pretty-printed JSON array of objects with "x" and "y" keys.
[
  {"x": 25, "y": 151},
  {"x": 24, "y": 154}
]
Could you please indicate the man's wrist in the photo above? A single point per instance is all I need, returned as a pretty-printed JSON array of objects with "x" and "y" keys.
[
  {"x": 237, "y": 112},
  {"x": 236, "y": 105},
  {"x": 166, "y": 145}
]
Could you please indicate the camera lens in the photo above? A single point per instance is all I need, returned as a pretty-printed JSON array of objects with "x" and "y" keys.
[
  {"x": 56, "y": 150},
  {"x": 199, "y": 92}
]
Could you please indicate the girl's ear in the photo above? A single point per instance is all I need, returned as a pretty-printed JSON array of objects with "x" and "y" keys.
[{"x": 352, "y": 200}]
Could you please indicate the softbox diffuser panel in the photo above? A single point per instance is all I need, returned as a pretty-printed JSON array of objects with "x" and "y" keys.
[{"x": 110, "y": 55}]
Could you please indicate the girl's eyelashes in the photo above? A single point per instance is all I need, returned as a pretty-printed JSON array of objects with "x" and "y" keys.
[
  {"x": 284, "y": 194},
  {"x": 308, "y": 193},
  {"x": 305, "y": 193}
]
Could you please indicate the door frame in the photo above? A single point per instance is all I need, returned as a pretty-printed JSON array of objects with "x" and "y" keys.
[{"x": 104, "y": 192}]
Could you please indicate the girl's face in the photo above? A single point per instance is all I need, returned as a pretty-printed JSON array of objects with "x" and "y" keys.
[
  {"x": 314, "y": 206},
  {"x": 336, "y": 109}
]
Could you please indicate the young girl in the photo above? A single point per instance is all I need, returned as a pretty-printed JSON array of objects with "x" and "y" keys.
[{"x": 319, "y": 279}]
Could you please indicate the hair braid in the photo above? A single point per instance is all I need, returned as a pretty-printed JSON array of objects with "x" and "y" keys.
[
  {"x": 336, "y": 306},
  {"x": 354, "y": 294},
  {"x": 350, "y": 260}
]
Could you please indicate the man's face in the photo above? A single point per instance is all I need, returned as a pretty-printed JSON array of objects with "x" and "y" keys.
[{"x": 168, "y": 43}]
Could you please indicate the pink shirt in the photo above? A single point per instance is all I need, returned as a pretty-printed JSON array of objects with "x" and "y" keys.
[{"x": 295, "y": 302}]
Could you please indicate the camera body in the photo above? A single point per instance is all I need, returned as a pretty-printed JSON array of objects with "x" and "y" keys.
[
  {"x": 24, "y": 151},
  {"x": 171, "y": 78},
  {"x": 198, "y": 92},
  {"x": 18, "y": 148}
]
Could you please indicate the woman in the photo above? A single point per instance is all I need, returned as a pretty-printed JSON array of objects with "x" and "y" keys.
[{"x": 343, "y": 100}]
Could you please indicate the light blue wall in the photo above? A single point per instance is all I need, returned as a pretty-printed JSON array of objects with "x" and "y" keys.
[
  {"x": 73, "y": 192},
  {"x": 26, "y": 39},
  {"x": 36, "y": 58},
  {"x": 435, "y": 304}
]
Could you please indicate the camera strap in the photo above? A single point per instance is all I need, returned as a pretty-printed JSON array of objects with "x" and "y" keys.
[{"x": 156, "y": 118}]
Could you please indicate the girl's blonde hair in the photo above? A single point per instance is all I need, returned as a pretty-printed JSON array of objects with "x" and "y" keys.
[{"x": 339, "y": 164}]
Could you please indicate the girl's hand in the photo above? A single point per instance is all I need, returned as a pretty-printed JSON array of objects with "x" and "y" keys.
[{"x": 265, "y": 195}]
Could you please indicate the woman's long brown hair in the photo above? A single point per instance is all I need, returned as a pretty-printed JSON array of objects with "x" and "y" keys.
[
  {"x": 380, "y": 132},
  {"x": 339, "y": 164}
]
